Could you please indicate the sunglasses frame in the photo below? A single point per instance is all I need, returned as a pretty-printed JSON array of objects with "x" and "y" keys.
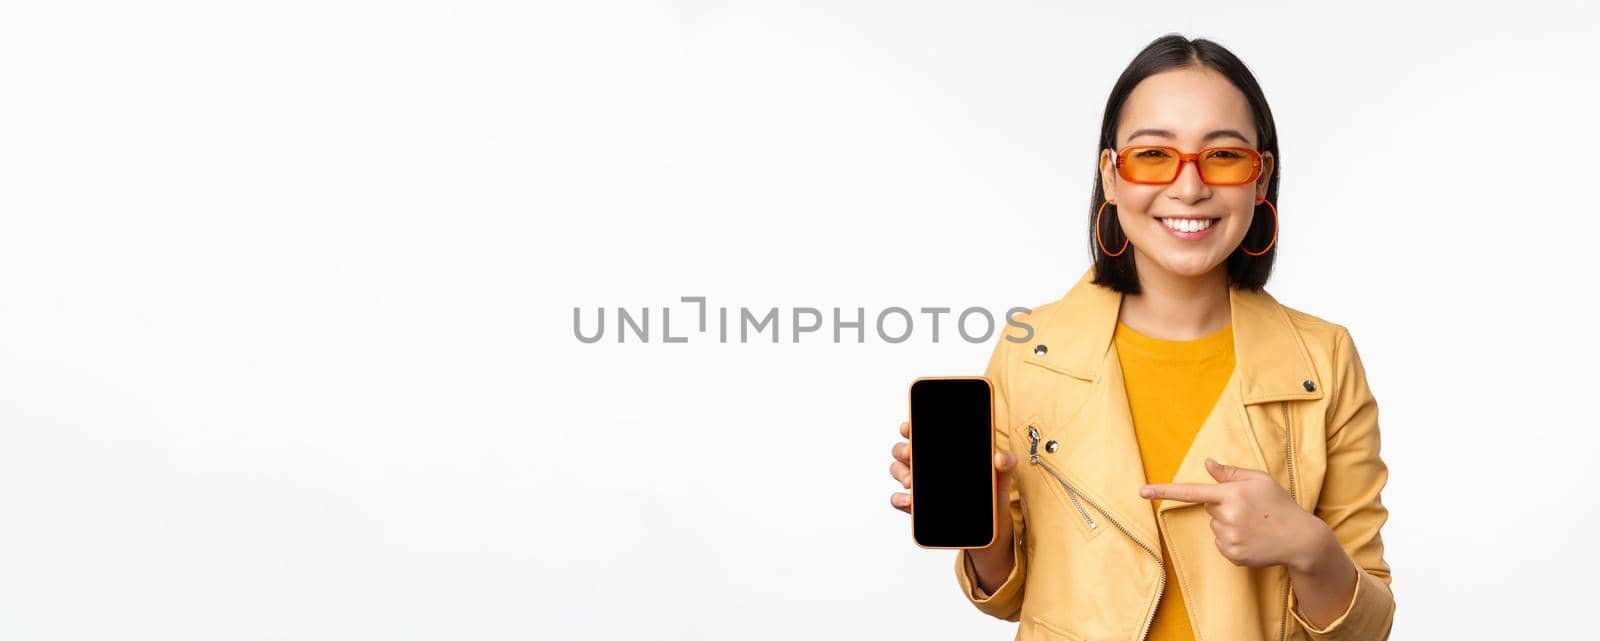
[{"x": 1120, "y": 160}]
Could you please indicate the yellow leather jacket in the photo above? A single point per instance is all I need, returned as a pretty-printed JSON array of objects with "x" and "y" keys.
[{"x": 1088, "y": 563}]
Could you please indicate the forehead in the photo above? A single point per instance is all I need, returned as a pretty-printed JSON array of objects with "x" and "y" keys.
[{"x": 1189, "y": 102}]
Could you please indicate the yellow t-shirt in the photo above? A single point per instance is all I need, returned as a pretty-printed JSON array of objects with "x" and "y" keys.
[{"x": 1171, "y": 386}]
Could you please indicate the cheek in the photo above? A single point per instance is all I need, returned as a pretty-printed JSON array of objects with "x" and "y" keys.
[
  {"x": 1133, "y": 209},
  {"x": 1133, "y": 199},
  {"x": 1242, "y": 214}
]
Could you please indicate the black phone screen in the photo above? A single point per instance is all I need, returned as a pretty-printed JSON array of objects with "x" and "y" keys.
[{"x": 952, "y": 470}]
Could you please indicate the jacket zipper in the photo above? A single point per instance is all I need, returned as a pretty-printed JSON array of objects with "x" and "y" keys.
[
  {"x": 1288, "y": 457},
  {"x": 1033, "y": 457}
]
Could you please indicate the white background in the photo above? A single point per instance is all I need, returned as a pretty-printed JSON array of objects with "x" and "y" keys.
[{"x": 286, "y": 294}]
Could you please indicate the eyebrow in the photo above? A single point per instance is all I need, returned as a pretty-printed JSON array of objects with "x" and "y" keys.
[{"x": 1220, "y": 133}]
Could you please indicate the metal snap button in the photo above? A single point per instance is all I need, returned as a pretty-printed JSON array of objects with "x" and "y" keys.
[
  {"x": 1039, "y": 350},
  {"x": 1310, "y": 386},
  {"x": 1050, "y": 446}
]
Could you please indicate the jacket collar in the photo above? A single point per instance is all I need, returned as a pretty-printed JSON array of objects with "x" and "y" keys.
[{"x": 1271, "y": 363}]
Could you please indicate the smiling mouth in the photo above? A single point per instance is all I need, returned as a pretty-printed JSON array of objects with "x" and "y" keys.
[{"x": 1188, "y": 225}]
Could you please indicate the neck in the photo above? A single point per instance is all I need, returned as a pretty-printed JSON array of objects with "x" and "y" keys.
[{"x": 1176, "y": 306}]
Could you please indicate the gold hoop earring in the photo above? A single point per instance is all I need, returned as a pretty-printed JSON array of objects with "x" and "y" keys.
[
  {"x": 1102, "y": 243},
  {"x": 1274, "y": 230}
]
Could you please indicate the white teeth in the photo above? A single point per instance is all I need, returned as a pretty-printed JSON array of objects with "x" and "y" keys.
[{"x": 1186, "y": 224}]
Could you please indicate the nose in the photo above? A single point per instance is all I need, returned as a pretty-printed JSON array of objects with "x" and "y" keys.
[{"x": 1189, "y": 187}]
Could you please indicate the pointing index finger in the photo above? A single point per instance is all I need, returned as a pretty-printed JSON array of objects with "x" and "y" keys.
[{"x": 1187, "y": 492}]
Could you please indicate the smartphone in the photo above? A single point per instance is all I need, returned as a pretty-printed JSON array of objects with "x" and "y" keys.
[{"x": 952, "y": 462}]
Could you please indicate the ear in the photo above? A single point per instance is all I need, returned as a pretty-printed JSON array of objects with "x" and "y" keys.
[
  {"x": 1268, "y": 164},
  {"x": 1108, "y": 175}
]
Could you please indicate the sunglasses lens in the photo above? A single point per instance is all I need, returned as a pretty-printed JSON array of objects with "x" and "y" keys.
[
  {"x": 1227, "y": 167},
  {"x": 1149, "y": 164},
  {"x": 1160, "y": 165}
]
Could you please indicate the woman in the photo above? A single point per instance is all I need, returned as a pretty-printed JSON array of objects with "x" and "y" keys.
[{"x": 1183, "y": 456}]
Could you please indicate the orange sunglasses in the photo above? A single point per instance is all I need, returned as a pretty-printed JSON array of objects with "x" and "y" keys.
[{"x": 1160, "y": 165}]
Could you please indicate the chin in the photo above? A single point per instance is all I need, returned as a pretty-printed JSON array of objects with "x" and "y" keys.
[{"x": 1189, "y": 266}]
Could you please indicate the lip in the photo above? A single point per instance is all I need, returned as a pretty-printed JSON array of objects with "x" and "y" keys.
[{"x": 1187, "y": 235}]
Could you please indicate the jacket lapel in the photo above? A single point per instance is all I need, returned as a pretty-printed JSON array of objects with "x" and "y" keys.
[{"x": 1271, "y": 364}]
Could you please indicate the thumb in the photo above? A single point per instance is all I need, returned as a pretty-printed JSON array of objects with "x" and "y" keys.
[
  {"x": 1004, "y": 464},
  {"x": 1223, "y": 472},
  {"x": 1216, "y": 469}
]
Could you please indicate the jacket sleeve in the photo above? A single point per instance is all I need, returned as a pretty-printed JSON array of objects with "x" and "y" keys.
[
  {"x": 1350, "y": 503},
  {"x": 1006, "y": 601}
]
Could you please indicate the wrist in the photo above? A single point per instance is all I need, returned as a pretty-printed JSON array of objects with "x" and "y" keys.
[
  {"x": 1320, "y": 551},
  {"x": 998, "y": 554}
]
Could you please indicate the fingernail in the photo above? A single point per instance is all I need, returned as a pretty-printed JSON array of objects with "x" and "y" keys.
[{"x": 1146, "y": 492}]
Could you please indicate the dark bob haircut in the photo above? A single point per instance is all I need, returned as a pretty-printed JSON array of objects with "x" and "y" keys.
[{"x": 1168, "y": 52}]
